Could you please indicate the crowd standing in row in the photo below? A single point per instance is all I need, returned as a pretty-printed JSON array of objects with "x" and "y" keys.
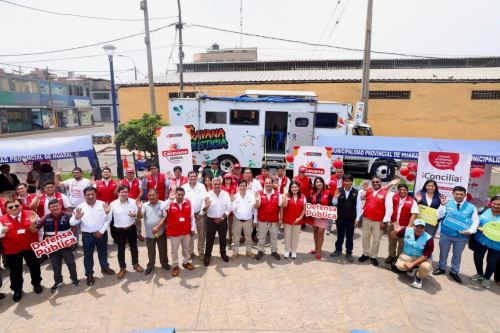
[{"x": 239, "y": 209}]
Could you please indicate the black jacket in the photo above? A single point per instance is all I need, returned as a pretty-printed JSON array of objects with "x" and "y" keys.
[
  {"x": 6, "y": 185},
  {"x": 346, "y": 207}
]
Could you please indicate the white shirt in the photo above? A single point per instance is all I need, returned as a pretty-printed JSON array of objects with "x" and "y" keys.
[
  {"x": 75, "y": 190},
  {"x": 120, "y": 212},
  {"x": 94, "y": 217},
  {"x": 254, "y": 186},
  {"x": 243, "y": 207},
  {"x": 65, "y": 200},
  {"x": 195, "y": 195},
  {"x": 268, "y": 195},
  {"x": 166, "y": 205},
  {"x": 414, "y": 206},
  {"x": 219, "y": 205},
  {"x": 475, "y": 218}
]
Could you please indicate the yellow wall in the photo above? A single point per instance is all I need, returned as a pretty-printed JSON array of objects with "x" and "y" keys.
[{"x": 437, "y": 110}]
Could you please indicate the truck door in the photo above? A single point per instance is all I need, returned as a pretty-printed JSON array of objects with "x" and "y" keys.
[{"x": 300, "y": 129}]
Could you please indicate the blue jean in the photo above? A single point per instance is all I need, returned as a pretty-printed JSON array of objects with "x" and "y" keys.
[
  {"x": 445, "y": 243},
  {"x": 89, "y": 243}
]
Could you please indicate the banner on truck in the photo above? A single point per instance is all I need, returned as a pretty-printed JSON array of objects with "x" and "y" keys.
[
  {"x": 174, "y": 148},
  {"x": 447, "y": 169},
  {"x": 317, "y": 160}
]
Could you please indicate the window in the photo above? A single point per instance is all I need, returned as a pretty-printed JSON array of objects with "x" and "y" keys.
[
  {"x": 326, "y": 120},
  {"x": 187, "y": 94},
  {"x": 390, "y": 94},
  {"x": 100, "y": 95},
  {"x": 244, "y": 117},
  {"x": 215, "y": 117},
  {"x": 301, "y": 122},
  {"x": 363, "y": 131},
  {"x": 485, "y": 94}
]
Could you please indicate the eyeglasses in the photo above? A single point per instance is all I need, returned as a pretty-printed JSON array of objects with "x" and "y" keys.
[
  {"x": 375, "y": 182},
  {"x": 153, "y": 168},
  {"x": 13, "y": 206}
]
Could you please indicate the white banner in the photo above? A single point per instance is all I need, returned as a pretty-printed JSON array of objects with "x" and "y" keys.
[
  {"x": 479, "y": 187},
  {"x": 447, "y": 169},
  {"x": 54, "y": 243},
  {"x": 174, "y": 149},
  {"x": 316, "y": 160}
]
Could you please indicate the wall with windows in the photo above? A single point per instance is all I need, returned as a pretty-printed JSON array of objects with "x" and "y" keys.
[{"x": 412, "y": 109}]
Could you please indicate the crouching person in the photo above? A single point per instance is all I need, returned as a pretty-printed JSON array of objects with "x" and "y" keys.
[{"x": 417, "y": 249}]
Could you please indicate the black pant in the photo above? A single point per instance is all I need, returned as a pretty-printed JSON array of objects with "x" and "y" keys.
[
  {"x": 491, "y": 259},
  {"x": 122, "y": 237},
  {"x": 56, "y": 259},
  {"x": 345, "y": 229},
  {"x": 112, "y": 229},
  {"x": 212, "y": 229},
  {"x": 15, "y": 262},
  {"x": 497, "y": 271}
]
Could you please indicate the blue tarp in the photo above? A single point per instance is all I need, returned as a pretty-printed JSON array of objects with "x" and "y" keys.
[
  {"x": 273, "y": 99},
  {"x": 487, "y": 152}
]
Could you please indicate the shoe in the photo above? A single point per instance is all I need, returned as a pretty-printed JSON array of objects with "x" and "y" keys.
[
  {"x": 140, "y": 237},
  {"x": 166, "y": 267},
  {"x": 313, "y": 251},
  {"x": 17, "y": 296},
  {"x": 56, "y": 286},
  {"x": 438, "y": 271},
  {"x": 235, "y": 255},
  {"x": 189, "y": 266},
  {"x": 108, "y": 271},
  {"x": 206, "y": 260},
  {"x": 328, "y": 231},
  {"x": 389, "y": 260},
  {"x": 374, "y": 261},
  {"x": 148, "y": 270},
  {"x": 224, "y": 257},
  {"x": 229, "y": 241},
  {"x": 276, "y": 255},
  {"x": 138, "y": 268},
  {"x": 335, "y": 254},
  {"x": 121, "y": 273},
  {"x": 38, "y": 289},
  {"x": 286, "y": 255},
  {"x": 242, "y": 239},
  {"x": 363, "y": 258},
  {"x": 259, "y": 255},
  {"x": 417, "y": 283},
  {"x": 485, "y": 284},
  {"x": 250, "y": 255},
  {"x": 476, "y": 277},
  {"x": 175, "y": 271},
  {"x": 456, "y": 277},
  {"x": 75, "y": 283},
  {"x": 318, "y": 257},
  {"x": 411, "y": 273},
  {"x": 255, "y": 239},
  {"x": 294, "y": 255},
  {"x": 90, "y": 280},
  {"x": 349, "y": 257}
]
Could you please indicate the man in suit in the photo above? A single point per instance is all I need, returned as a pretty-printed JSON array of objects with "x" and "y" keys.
[
  {"x": 8, "y": 181},
  {"x": 214, "y": 170},
  {"x": 348, "y": 211}
]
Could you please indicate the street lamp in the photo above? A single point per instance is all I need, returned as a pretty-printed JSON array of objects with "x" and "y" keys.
[
  {"x": 110, "y": 50},
  {"x": 133, "y": 61}
]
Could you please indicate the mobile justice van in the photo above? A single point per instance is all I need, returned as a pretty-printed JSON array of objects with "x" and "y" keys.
[{"x": 262, "y": 127}]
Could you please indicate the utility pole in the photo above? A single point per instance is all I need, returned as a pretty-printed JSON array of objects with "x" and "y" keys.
[
  {"x": 147, "y": 41},
  {"x": 365, "y": 90},
  {"x": 181, "y": 53}
]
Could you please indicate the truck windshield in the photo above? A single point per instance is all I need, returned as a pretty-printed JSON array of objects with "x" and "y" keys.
[{"x": 364, "y": 131}]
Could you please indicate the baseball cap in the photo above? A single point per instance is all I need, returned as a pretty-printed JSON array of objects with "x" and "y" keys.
[
  {"x": 302, "y": 169},
  {"x": 236, "y": 166},
  {"x": 129, "y": 170},
  {"x": 418, "y": 222}
]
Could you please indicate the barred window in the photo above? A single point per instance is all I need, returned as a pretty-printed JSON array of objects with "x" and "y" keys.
[
  {"x": 485, "y": 94},
  {"x": 390, "y": 94},
  {"x": 187, "y": 94}
]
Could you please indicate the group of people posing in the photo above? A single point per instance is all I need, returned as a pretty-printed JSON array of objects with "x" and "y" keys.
[{"x": 191, "y": 210}]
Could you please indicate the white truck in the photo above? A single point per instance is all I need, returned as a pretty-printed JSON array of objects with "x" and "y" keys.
[{"x": 262, "y": 127}]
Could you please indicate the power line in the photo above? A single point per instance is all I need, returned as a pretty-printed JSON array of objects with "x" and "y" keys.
[
  {"x": 337, "y": 22},
  {"x": 327, "y": 24},
  {"x": 82, "y": 16},
  {"x": 65, "y": 70}
]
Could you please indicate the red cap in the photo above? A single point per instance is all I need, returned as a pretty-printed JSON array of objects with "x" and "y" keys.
[
  {"x": 236, "y": 166},
  {"x": 227, "y": 176},
  {"x": 129, "y": 170},
  {"x": 302, "y": 169}
]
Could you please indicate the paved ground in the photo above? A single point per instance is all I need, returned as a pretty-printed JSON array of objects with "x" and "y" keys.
[{"x": 249, "y": 296}]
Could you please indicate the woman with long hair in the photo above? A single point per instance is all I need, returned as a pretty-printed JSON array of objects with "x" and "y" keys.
[
  {"x": 293, "y": 209},
  {"x": 207, "y": 181},
  {"x": 429, "y": 196},
  {"x": 320, "y": 196}
]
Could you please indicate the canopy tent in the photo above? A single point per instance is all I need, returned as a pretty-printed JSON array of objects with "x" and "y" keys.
[
  {"x": 487, "y": 152},
  {"x": 268, "y": 99},
  {"x": 30, "y": 150}
]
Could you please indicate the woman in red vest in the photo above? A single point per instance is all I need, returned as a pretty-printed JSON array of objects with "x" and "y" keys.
[
  {"x": 294, "y": 208},
  {"x": 17, "y": 238},
  {"x": 320, "y": 196},
  {"x": 305, "y": 189}
]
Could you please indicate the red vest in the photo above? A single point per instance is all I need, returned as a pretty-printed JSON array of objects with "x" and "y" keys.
[
  {"x": 133, "y": 190},
  {"x": 105, "y": 192},
  {"x": 333, "y": 184},
  {"x": 375, "y": 206},
  {"x": 324, "y": 200},
  {"x": 40, "y": 210},
  {"x": 269, "y": 209},
  {"x": 293, "y": 210},
  {"x": 305, "y": 186},
  {"x": 183, "y": 180},
  {"x": 230, "y": 190},
  {"x": 13, "y": 242},
  {"x": 261, "y": 180},
  {"x": 284, "y": 184},
  {"x": 159, "y": 185},
  {"x": 26, "y": 205},
  {"x": 2, "y": 206},
  {"x": 405, "y": 215},
  {"x": 176, "y": 227}
]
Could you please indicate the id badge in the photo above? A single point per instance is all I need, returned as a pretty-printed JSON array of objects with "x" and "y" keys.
[
  {"x": 21, "y": 231},
  {"x": 181, "y": 219}
]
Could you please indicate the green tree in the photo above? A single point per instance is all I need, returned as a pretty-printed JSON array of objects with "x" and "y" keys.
[{"x": 140, "y": 134}]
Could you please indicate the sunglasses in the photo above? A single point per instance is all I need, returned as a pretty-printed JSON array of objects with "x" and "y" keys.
[
  {"x": 375, "y": 182},
  {"x": 13, "y": 206}
]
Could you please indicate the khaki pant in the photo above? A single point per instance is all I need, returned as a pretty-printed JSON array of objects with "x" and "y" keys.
[
  {"x": 264, "y": 228},
  {"x": 200, "y": 233},
  {"x": 424, "y": 269},
  {"x": 393, "y": 243},
  {"x": 371, "y": 229},
  {"x": 292, "y": 233},
  {"x": 174, "y": 245},
  {"x": 247, "y": 228}
]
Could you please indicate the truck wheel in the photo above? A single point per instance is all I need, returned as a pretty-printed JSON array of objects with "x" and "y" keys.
[
  {"x": 383, "y": 169},
  {"x": 226, "y": 162}
]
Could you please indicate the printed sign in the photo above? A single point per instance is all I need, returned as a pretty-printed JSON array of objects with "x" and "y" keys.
[
  {"x": 457, "y": 221},
  {"x": 54, "y": 243},
  {"x": 492, "y": 230},
  {"x": 316, "y": 160},
  {"x": 321, "y": 212},
  {"x": 428, "y": 214},
  {"x": 360, "y": 110},
  {"x": 479, "y": 187},
  {"x": 447, "y": 169},
  {"x": 174, "y": 148}
]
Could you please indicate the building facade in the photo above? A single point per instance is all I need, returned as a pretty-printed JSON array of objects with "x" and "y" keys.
[{"x": 102, "y": 105}]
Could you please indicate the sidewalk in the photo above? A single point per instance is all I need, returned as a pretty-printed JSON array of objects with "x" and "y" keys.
[{"x": 50, "y": 130}]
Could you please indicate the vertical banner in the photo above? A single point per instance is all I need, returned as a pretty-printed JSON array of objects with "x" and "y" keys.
[
  {"x": 358, "y": 113},
  {"x": 317, "y": 160},
  {"x": 174, "y": 148},
  {"x": 447, "y": 169}
]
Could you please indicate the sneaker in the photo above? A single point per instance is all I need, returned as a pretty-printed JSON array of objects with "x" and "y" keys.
[
  {"x": 485, "y": 284},
  {"x": 75, "y": 283},
  {"x": 476, "y": 277},
  {"x": 411, "y": 273},
  {"x": 294, "y": 255},
  {"x": 417, "y": 283},
  {"x": 56, "y": 286},
  {"x": 286, "y": 255},
  {"x": 250, "y": 255},
  {"x": 259, "y": 255},
  {"x": 235, "y": 255}
]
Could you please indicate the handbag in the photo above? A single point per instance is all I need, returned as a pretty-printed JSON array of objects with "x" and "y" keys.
[{"x": 471, "y": 242}]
